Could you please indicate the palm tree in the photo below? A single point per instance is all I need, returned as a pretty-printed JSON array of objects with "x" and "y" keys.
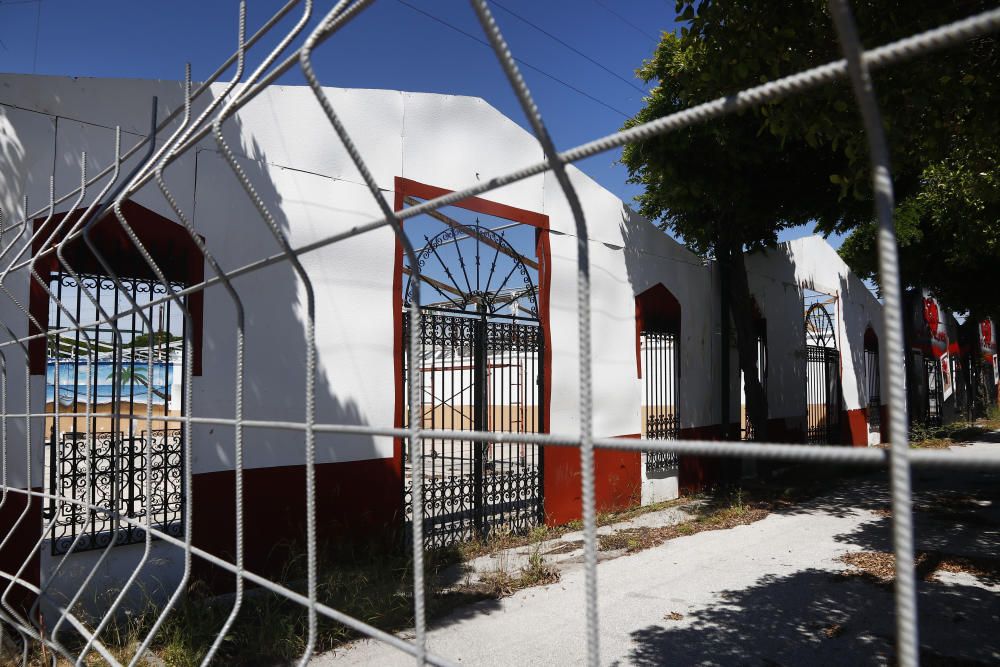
[{"x": 127, "y": 375}]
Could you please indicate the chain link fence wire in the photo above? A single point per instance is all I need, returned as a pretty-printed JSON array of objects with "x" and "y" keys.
[{"x": 21, "y": 249}]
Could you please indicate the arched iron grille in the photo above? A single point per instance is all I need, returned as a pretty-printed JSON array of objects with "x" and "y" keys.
[
  {"x": 480, "y": 365},
  {"x": 108, "y": 391},
  {"x": 822, "y": 377}
]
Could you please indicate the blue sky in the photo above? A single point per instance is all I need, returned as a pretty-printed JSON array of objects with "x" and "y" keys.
[{"x": 390, "y": 45}]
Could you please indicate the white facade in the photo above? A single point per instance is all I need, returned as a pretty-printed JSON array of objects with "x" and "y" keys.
[{"x": 309, "y": 184}]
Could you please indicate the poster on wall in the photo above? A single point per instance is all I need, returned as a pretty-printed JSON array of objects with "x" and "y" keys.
[
  {"x": 946, "y": 384},
  {"x": 935, "y": 320},
  {"x": 987, "y": 338}
]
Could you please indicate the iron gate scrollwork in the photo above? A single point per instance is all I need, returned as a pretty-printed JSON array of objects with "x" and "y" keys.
[
  {"x": 103, "y": 381},
  {"x": 480, "y": 368},
  {"x": 822, "y": 378}
]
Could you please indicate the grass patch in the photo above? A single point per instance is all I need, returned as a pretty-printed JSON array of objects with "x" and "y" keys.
[
  {"x": 501, "y": 582},
  {"x": 724, "y": 510},
  {"x": 500, "y": 540},
  {"x": 880, "y": 566},
  {"x": 954, "y": 434},
  {"x": 374, "y": 587}
]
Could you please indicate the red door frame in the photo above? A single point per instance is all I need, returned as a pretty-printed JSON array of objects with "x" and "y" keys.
[{"x": 404, "y": 188}]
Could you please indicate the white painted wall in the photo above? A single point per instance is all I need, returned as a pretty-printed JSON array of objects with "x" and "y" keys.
[
  {"x": 307, "y": 181},
  {"x": 777, "y": 278}
]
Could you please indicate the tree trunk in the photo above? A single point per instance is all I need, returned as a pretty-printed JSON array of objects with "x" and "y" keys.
[{"x": 741, "y": 309}]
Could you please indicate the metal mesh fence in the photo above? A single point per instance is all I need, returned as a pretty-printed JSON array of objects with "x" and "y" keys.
[{"x": 27, "y": 249}]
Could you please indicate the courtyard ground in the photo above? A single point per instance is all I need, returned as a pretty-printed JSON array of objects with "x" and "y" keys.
[{"x": 810, "y": 583}]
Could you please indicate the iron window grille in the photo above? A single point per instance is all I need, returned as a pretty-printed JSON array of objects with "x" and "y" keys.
[
  {"x": 661, "y": 376},
  {"x": 111, "y": 392}
]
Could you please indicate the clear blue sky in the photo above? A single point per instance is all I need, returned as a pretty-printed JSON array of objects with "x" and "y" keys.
[{"x": 390, "y": 45}]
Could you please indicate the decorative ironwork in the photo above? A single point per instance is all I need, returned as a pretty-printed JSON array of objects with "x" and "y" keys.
[
  {"x": 118, "y": 373},
  {"x": 661, "y": 375},
  {"x": 483, "y": 375},
  {"x": 822, "y": 395},
  {"x": 820, "y": 331},
  {"x": 484, "y": 287},
  {"x": 480, "y": 367}
]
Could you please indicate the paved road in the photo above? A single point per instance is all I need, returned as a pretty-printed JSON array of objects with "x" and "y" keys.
[{"x": 763, "y": 594}]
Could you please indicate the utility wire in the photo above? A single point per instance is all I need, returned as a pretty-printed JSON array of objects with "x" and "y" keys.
[
  {"x": 525, "y": 64},
  {"x": 583, "y": 55},
  {"x": 627, "y": 22},
  {"x": 38, "y": 29}
]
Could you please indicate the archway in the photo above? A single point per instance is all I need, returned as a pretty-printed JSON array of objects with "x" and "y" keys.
[{"x": 658, "y": 328}]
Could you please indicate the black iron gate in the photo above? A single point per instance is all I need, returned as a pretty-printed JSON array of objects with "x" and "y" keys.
[
  {"x": 873, "y": 376},
  {"x": 480, "y": 368},
  {"x": 822, "y": 378},
  {"x": 661, "y": 372}
]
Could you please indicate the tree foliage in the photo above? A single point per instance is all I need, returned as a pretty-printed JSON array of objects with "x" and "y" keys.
[
  {"x": 733, "y": 184},
  {"x": 803, "y": 158}
]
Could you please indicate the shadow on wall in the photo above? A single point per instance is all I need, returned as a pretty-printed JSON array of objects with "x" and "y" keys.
[
  {"x": 857, "y": 320},
  {"x": 355, "y": 500}
]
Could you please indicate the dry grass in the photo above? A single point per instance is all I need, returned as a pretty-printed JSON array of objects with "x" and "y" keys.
[
  {"x": 834, "y": 630},
  {"x": 501, "y": 582},
  {"x": 880, "y": 566},
  {"x": 732, "y": 512},
  {"x": 500, "y": 541}
]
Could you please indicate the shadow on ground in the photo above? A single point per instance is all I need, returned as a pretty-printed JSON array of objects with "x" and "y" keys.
[{"x": 818, "y": 617}]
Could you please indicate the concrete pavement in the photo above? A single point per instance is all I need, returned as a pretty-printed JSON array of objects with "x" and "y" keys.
[{"x": 769, "y": 593}]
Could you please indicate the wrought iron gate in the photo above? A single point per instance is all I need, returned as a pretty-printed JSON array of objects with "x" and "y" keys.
[
  {"x": 822, "y": 378},
  {"x": 661, "y": 372},
  {"x": 480, "y": 369}
]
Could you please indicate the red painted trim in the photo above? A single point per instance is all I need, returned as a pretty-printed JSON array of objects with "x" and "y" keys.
[
  {"x": 854, "y": 427},
  {"x": 168, "y": 243},
  {"x": 358, "y": 503},
  {"x": 405, "y": 187},
  {"x": 408, "y": 188},
  {"x": 617, "y": 482},
  {"x": 20, "y": 545},
  {"x": 656, "y": 309}
]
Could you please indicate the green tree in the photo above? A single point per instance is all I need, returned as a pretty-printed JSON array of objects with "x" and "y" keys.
[{"x": 731, "y": 185}]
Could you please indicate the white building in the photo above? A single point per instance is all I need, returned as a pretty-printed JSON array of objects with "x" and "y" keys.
[{"x": 417, "y": 146}]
